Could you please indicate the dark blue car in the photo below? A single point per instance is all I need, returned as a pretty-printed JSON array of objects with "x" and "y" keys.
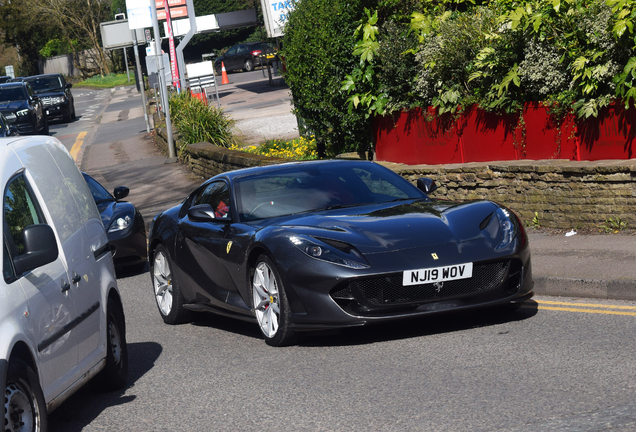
[
  {"x": 124, "y": 225},
  {"x": 55, "y": 94},
  {"x": 327, "y": 244},
  {"x": 23, "y": 108}
]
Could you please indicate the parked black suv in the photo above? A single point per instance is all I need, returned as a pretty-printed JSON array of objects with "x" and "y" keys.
[
  {"x": 243, "y": 56},
  {"x": 23, "y": 108},
  {"x": 55, "y": 94}
]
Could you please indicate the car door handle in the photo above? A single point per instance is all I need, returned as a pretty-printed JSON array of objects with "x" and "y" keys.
[
  {"x": 76, "y": 278},
  {"x": 65, "y": 286}
]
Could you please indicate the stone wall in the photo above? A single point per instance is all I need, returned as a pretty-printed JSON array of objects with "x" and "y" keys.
[
  {"x": 564, "y": 194},
  {"x": 208, "y": 160}
]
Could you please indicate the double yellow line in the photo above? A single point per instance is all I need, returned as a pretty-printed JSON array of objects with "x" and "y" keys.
[
  {"x": 78, "y": 145},
  {"x": 606, "y": 309}
]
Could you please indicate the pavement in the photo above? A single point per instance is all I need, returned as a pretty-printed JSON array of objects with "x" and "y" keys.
[
  {"x": 580, "y": 265},
  {"x": 261, "y": 109}
]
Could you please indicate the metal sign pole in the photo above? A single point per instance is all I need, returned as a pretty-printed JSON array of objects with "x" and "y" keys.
[
  {"x": 141, "y": 78},
  {"x": 172, "y": 156},
  {"x": 185, "y": 40}
]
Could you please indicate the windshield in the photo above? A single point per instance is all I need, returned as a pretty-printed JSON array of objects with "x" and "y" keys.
[
  {"x": 97, "y": 190},
  {"x": 303, "y": 188},
  {"x": 9, "y": 94},
  {"x": 44, "y": 84}
]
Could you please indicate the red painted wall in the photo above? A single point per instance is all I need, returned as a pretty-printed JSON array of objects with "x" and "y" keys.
[{"x": 477, "y": 136}]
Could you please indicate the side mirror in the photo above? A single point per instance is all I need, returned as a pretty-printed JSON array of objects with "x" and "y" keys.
[
  {"x": 68, "y": 85},
  {"x": 426, "y": 185},
  {"x": 201, "y": 213},
  {"x": 121, "y": 192},
  {"x": 40, "y": 248}
]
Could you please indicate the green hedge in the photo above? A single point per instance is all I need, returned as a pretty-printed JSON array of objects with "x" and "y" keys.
[
  {"x": 349, "y": 61},
  {"x": 575, "y": 56},
  {"x": 317, "y": 51}
]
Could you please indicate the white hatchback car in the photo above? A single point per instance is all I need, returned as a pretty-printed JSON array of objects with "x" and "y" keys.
[{"x": 61, "y": 317}]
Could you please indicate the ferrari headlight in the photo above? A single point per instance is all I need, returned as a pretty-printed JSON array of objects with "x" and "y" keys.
[
  {"x": 507, "y": 226},
  {"x": 22, "y": 113},
  {"x": 122, "y": 222},
  {"x": 322, "y": 252}
]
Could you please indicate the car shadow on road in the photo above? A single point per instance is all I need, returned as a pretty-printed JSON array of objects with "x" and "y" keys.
[
  {"x": 84, "y": 406},
  {"x": 419, "y": 327},
  {"x": 382, "y": 332}
]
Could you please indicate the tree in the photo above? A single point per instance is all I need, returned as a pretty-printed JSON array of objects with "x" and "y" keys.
[
  {"x": 18, "y": 29},
  {"x": 75, "y": 19}
]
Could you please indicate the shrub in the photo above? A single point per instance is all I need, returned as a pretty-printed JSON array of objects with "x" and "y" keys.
[
  {"x": 317, "y": 49},
  {"x": 197, "y": 122},
  {"x": 574, "y": 56},
  {"x": 398, "y": 68}
]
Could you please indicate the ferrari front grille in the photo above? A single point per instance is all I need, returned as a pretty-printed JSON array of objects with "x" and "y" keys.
[{"x": 386, "y": 291}]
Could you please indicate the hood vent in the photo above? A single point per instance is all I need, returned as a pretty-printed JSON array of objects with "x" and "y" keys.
[
  {"x": 341, "y": 246},
  {"x": 486, "y": 221}
]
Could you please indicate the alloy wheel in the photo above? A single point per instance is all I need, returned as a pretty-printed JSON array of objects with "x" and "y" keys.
[
  {"x": 266, "y": 299},
  {"x": 163, "y": 283}
]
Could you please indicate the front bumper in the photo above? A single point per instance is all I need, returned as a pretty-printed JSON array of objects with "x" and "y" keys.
[
  {"x": 24, "y": 124},
  {"x": 318, "y": 300},
  {"x": 129, "y": 246},
  {"x": 57, "y": 111}
]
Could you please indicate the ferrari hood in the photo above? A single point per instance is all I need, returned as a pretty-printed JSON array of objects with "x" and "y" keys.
[{"x": 404, "y": 226}]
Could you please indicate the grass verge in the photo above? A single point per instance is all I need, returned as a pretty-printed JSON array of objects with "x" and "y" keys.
[{"x": 108, "y": 81}]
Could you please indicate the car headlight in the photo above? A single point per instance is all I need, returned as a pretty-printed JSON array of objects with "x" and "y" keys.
[
  {"x": 22, "y": 113},
  {"x": 58, "y": 100},
  {"x": 322, "y": 252},
  {"x": 122, "y": 222},
  {"x": 508, "y": 226}
]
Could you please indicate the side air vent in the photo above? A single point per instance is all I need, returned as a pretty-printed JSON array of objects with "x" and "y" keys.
[{"x": 486, "y": 221}]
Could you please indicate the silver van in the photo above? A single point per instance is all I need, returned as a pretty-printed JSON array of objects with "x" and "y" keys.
[{"x": 61, "y": 317}]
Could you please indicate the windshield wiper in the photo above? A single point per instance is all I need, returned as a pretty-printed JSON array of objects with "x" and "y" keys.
[
  {"x": 339, "y": 206},
  {"x": 104, "y": 200}
]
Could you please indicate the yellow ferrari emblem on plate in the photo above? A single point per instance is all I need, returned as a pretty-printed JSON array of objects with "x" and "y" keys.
[
  {"x": 434, "y": 255},
  {"x": 229, "y": 246}
]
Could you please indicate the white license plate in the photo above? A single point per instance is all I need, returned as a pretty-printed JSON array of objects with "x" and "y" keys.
[{"x": 437, "y": 274}]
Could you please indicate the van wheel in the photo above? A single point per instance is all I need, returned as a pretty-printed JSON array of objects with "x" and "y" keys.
[
  {"x": 115, "y": 373},
  {"x": 24, "y": 406}
]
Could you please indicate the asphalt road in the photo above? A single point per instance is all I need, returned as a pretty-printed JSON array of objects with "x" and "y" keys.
[
  {"x": 561, "y": 366},
  {"x": 558, "y": 364},
  {"x": 88, "y": 104}
]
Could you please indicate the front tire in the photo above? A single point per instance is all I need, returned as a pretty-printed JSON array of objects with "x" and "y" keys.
[
  {"x": 270, "y": 304},
  {"x": 115, "y": 373},
  {"x": 45, "y": 128},
  {"x": 24, "y": 406},
  {"x": 170, "y": 301}
]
